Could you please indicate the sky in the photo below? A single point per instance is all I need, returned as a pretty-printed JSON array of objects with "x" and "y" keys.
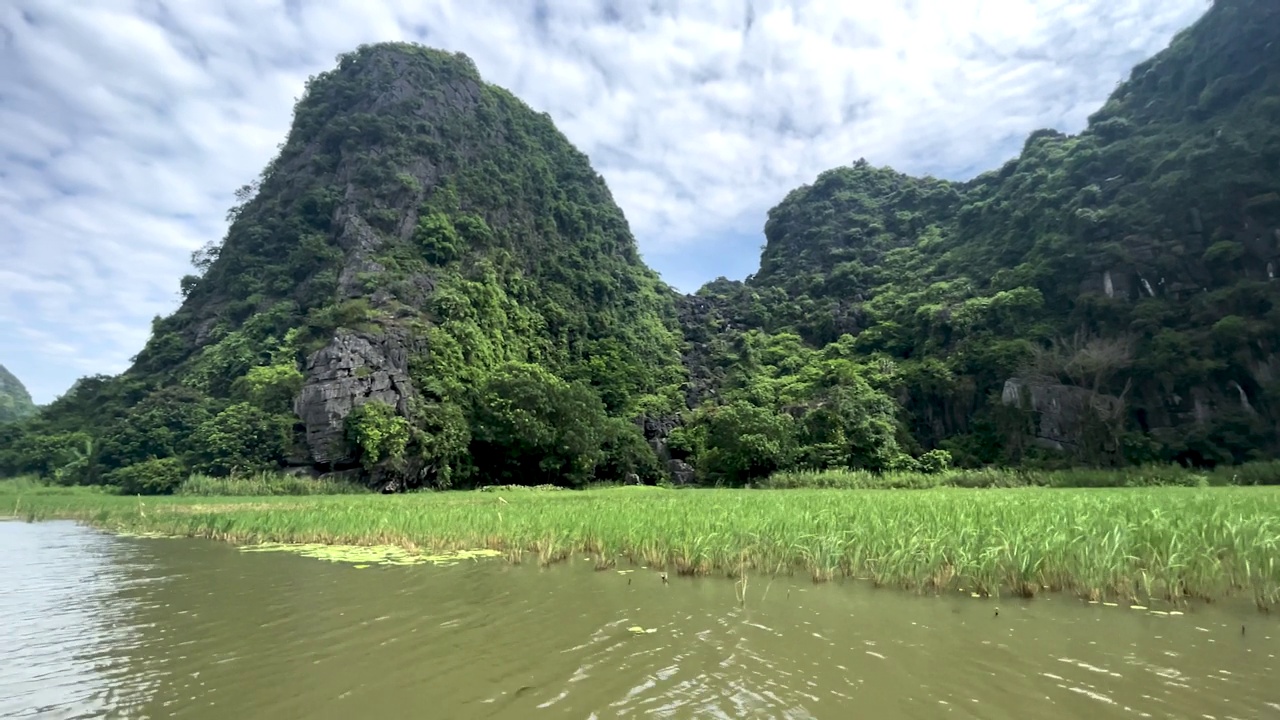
[{"x": 127, "y": 125}]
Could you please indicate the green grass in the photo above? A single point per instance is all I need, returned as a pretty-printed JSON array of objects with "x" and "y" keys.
[
  {"x": 30, "y": 485},
  {"x": 266, "y": 484},
  {"x": 1256, "y": 473},
  {"x": 1119, "y": 544}
]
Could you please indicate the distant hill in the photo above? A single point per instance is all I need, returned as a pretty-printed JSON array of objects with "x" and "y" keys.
[{"x": 15, "y": 401}]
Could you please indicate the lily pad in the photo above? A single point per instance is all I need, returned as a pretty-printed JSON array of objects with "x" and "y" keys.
[{"x": 365, "y": 555}]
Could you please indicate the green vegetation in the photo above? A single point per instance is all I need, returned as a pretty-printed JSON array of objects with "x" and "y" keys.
[
  {"x": 450, "y": 251},
  {"x": 430, "y": 287},
  {"x": 265, "y": 485},
  {"x": 1100, "y": 300},
  {"x": 1128, "y": 545},
  {"x": 15, "y": 401},
  {"x": 30, "y": 485},
  {"x": 1258, "y": 473}
]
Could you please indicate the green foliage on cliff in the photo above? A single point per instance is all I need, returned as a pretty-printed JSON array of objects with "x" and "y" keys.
[
  {"x": 1125, "y": 277},
  {"x": 411, "y": 202},
  {"x": 15, "y": 401}
]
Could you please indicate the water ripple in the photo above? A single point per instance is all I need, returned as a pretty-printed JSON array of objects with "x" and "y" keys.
[
  {"x": 98, "y": 626},
  {"x": 65, "y": 623}
]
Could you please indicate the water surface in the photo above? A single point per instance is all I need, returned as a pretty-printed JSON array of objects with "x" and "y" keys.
[{"x": 101, "y": 626}]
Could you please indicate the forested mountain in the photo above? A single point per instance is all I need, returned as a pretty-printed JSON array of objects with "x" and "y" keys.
[
  {"x": 15, "y": 401},
  {"x": 1111, "y": 296},
  {"x": 428, "y": 281},
  {"x": 430, "y": 286}
]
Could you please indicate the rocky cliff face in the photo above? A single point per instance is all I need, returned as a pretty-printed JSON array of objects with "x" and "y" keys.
[
  {"x": 354, "y": 368},
  {"x": 15, "y": 401}
]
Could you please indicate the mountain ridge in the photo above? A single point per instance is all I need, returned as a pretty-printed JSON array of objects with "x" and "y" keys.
[{"x": 1082, "y": 246}]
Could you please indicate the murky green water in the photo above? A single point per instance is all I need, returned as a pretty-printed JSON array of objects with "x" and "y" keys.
[{"x": 97, "y": 626}]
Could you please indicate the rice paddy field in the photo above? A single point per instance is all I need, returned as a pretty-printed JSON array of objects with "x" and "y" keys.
[{"x": 1126, "y": 545}]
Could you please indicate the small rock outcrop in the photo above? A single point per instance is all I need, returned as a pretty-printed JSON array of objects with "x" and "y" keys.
[{"x": 682, "y": 473}]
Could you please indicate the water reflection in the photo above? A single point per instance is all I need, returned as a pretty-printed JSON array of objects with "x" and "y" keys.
[{"x": 108, "y": 627}]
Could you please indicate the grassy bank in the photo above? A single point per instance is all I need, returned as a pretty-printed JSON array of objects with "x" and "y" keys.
[
  {"x": 1255, "y": 473},
  {"x": 1134, "y": 544}
]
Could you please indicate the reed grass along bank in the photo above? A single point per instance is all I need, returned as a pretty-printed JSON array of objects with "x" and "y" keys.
[{"x": 1132, "y": 545}]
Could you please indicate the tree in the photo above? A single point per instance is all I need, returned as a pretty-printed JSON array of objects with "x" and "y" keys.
[
  {"x": 744, "y": 442},
  {"x": 377, "y": 432},
  {"x": 530, "y": 427},
  {"x": 241, "y": 438}
]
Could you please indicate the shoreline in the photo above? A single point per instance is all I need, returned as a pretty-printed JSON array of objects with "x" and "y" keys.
[{"x": 1135, "y": 546}]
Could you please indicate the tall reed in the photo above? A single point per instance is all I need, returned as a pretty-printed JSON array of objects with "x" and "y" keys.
[{"x": 1122, "y": 544}]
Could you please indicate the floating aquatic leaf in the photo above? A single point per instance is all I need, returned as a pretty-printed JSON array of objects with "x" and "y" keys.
[
  {"x": 636, "y": 629},
  {"x": 366, "y": 555}
]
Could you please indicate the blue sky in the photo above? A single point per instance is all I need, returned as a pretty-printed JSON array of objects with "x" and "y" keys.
[{"x": 128, "y": 124}]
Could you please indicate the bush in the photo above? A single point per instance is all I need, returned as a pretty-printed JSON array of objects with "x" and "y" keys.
[
  {"x": 934, "y": 461},
  {"x": 378, "y": 433},
  {"x": 626, "y": 452},
  {"x": 1266, "y": 472},
  {"x": 242, "y": 437},
  {"x": 157, "y": 476}
]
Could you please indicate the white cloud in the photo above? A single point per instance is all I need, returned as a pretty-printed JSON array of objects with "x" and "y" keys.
[{"x": 128, "y": 125}]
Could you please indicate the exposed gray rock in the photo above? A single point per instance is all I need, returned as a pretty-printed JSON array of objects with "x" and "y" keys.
[
  {"x": 681, "y": 472},
  {"x": 359, "y": 241},
  {"x": 656, "y": 431},
  {"x": 351, "y": 370},
  {"x": 1062, "y": 410}
]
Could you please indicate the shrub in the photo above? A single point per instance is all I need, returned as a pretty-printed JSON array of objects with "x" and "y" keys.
[{"x": 157, "y": 476}]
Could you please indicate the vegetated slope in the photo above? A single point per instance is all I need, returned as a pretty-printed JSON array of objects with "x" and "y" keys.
[
  {"x": 1101, "y": 298},
  {"x": 15, "y": 401},
  {"x": 428, "y": 281}
]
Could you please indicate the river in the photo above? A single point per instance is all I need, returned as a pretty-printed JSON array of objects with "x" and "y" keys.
[{"x": 95, "y": 625}]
